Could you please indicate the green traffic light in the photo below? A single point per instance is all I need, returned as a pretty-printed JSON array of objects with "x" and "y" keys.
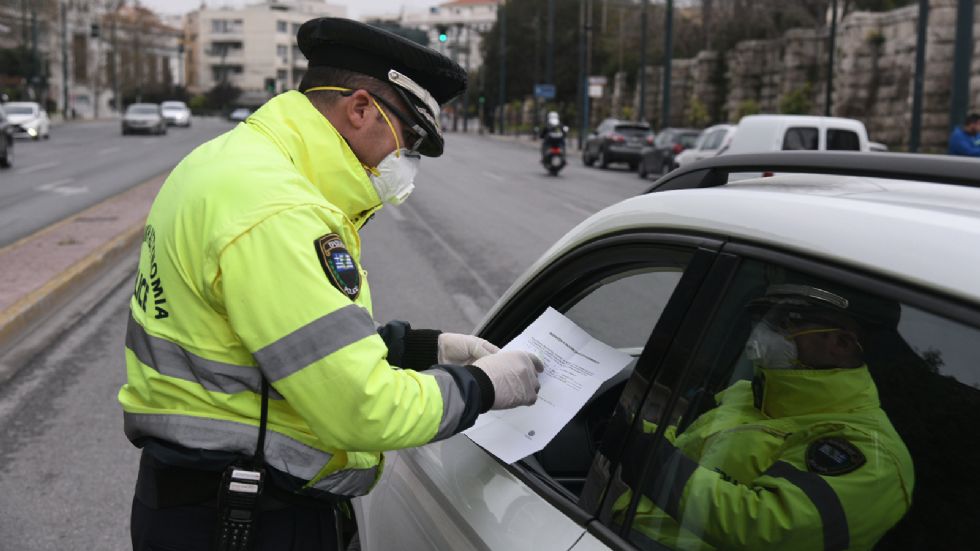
[{"x": 442, "y": 37}]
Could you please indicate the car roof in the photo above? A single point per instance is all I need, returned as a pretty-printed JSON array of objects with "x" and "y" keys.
[
  {"x": 926, "y": 234},
  {"x": 22, "y": 104},
  {"x": 173, "y": 103},
  {"x": 809, "y": 120},
  {"x": 143, "y": 105}
]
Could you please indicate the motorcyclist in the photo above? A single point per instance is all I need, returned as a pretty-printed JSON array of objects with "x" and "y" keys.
[{"x": 552, "y": 135}]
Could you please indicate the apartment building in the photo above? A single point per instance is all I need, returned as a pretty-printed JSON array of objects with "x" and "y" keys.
[
  {"x": 253, "y": 47},
  {"x": 462, "y": 22}
]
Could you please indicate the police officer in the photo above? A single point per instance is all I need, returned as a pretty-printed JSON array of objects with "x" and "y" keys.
[
  {"x": 259, "y": 388},
  {"x": 801, "y": 457}
]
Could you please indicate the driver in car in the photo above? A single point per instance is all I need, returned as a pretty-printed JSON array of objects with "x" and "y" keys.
[{"x": 800, "y": 457}]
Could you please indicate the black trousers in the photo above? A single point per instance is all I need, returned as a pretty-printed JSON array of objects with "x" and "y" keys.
[{"x": 189, "y": 528}]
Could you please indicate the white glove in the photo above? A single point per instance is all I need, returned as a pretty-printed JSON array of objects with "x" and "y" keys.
[
  {"x": 458, "y": 349},
  {"x": 514, "y": 375}
]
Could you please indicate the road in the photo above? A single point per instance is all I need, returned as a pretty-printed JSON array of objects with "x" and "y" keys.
[
  {"x": 82, "y": 164},
  {"x": 479, "y": 217}
]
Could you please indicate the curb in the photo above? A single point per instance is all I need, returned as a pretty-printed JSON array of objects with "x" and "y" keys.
[{"x": 67, "y": 284}]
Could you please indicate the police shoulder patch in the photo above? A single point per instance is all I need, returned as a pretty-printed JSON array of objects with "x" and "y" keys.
[
  {"x": 833, "y": 456},
  {"x": 338, "y": 264}
]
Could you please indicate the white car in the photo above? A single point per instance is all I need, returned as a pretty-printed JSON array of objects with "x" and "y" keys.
[
  {"x": 30, "y": 117},
  {"x": 176, "y": 113},
  {"x": 710, "y": 142},
  {"x": 144, "y": 118},
  {"x": 674, "y": 278}
]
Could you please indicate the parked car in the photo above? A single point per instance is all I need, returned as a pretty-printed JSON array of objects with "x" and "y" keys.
[
  {"x": 658, "y": 158},
  {"x": 712, "y": 140},
  {"x": 616, "y": 141},
  {"x": 676, "y": 278},
  {"x": 239, "y": 114},
  {"x": 176, "y": 113},
  {"x": 30, "y": 117},
  {"x": 6, "y": 139},
  {"x": 144, "y": 117}
]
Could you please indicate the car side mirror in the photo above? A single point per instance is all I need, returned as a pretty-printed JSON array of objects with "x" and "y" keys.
[
  {"x": 565, "y": 129},
  {"x": 4, "y": 98}
]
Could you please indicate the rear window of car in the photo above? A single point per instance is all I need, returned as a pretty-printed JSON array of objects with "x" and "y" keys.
[
  {"x": 842, "y": 140},
  {"x": 143, "y": 110},
  {"x": 689, "y": 139},
  {"x": 20, "y": 110},
  {"x": 801, "y": 138},
  {"x": 174, "y": 105},
  {"x": 632, "y": 130}
]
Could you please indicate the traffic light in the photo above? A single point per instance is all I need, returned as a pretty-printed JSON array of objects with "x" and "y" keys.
[
  {"x": 442, "y": 33},
  {"x": 270, "y": 85},
  {"x": 94, "y": 30}
]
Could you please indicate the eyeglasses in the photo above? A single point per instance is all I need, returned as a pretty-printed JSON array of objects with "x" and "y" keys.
[{"x": 412, "y": 133}]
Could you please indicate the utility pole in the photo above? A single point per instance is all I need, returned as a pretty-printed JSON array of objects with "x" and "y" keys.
[
  {"x": 963, "y": 52},
  {"x": 549, "y": 66},
  {"x": 668, "y": 56},
  {"x": 35, "y": 69},
  {"x": 641, "y": 112},
  {"x": 116, "y": 100},
  {"x": 64, "y": 58},
  {"x": 920, "y": 69},
  {"x": 502, "y": 101},
  {"x": 466, "y": 66},
  {"x": 583, "y": 87},
  {"x": 832, "y": 45}
]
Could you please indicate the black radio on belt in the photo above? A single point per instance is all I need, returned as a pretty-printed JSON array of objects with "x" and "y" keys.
[
  {"x": 238, "y": 498},
  {"x": 238, "y": 495}
]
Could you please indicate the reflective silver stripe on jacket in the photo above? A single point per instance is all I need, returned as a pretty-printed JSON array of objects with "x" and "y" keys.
[
  {"x": 836, "y": 535},
  {"x": 452, "y": 403},
  {"x": 315, "y": 340},
  {"x": 281, "y": 452},
  {"x": 170, "y": 359}
]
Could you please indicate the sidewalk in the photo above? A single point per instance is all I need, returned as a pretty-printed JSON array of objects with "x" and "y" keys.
[{"x": 45, "y": 271}]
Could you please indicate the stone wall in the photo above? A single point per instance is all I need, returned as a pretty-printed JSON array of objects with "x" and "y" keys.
[{"x": 873, "y": 76}]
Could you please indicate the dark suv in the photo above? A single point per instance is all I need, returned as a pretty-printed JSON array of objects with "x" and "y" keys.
[
  {"x": 659, "y": 158},
  {"x": 616, "y": 141}
]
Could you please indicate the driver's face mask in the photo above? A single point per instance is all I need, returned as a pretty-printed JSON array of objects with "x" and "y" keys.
[
  {"x": 394, "y": 177},
  {"x": 775, "y": 349}
]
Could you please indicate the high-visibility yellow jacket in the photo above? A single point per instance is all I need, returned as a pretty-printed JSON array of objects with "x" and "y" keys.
[
  {"x": 806, "y": 459},
  {"x": 233, "y": 285}
]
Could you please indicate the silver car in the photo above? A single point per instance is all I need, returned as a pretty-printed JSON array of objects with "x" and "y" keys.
[
  {"x": 176, "y": 113},
  {"x": 144, "y": 118}
]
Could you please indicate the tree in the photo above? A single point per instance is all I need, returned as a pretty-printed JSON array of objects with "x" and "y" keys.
[{"x": 223, "y": 96}]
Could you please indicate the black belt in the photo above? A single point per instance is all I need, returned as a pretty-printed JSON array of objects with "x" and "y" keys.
[{"x": 160, "y": 486}]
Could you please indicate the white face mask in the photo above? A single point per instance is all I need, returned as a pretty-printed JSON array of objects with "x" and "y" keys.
[
  {"x": 771, "y": 349},
  {"x": 394, "y": 177}
]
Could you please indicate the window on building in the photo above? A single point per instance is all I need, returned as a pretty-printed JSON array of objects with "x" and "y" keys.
[
  {"x": 282, "y": 26},
  {"x": 296, "y": 28},
  {"x": 282, "y": 52},
  {"x": 221, "y": 26}
]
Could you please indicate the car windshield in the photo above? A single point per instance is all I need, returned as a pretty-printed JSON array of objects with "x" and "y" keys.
[
  {"x": 688, "y": 140},
  {"x": 632, "y": 130},
  {"x": 143, "y": 110},
  {"x": 19, "y": 110},
  {"x": 174, "y": 105}
]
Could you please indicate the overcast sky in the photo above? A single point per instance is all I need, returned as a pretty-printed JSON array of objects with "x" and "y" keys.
[{"x": 355, "y": 8}]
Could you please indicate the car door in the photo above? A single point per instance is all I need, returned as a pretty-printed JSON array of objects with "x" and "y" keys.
[
  {"x": 454, "y": 495},
  {"x": 918, "y": 382}
]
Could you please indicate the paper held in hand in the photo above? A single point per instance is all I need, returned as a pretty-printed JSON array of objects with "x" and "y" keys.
[{"x": 575, "y": 366}]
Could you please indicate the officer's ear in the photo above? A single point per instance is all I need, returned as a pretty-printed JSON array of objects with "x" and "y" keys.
[{"x": 359, "y": 109}]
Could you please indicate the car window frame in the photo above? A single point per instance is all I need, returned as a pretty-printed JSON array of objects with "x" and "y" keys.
[
  {"x": 552, "y": 285},
  {"x": 928, "y": 300}
]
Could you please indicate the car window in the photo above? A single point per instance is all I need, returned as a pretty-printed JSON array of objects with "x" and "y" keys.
[
  {"x": 20, "y": 110},
  {"x": 664, "y": 139},
  {"x": 822, "y": 409},
  {"x": 797, "y": 138},
  {"x": 632, "y": 131},
  {"x": 842, "y": 140},
  {"x": 143, "y": 110},
  {"x": 713, "y": 140},
  {"x": 687, "y": 140}
]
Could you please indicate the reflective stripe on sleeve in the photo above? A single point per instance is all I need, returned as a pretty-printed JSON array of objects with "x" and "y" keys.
[
  {"x": 314, "y": 341},
  {"x": 170, "y": 359},
  {"x": 836, "y": 535},
  {"x": 452, "y": 404}
]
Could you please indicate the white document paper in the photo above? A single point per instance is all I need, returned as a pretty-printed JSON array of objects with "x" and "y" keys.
[{"x": 575, "y": 366}]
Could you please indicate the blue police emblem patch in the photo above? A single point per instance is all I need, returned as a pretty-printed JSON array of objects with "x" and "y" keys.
[
  {"x": 833, "y": 456},
  {"x": 339, "y": 265}
]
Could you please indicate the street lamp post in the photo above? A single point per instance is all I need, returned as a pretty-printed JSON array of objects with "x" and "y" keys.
[
  {"x": 502, "y": 19},
  {"x": 829, "y": 97},
  {"x": 64, "y": 58},
  {"x": 668, "y": 56}
]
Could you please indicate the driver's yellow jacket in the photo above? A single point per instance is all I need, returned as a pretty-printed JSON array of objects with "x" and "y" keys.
[
  {"x": 247, "y": 270},
  {"x": 805, "y": 460}
]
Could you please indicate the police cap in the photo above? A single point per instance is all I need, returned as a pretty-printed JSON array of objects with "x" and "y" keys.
[{"x": 424, "y": 78}]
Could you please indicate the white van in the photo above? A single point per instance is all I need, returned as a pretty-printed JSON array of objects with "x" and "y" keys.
[{"x": 764, "y": 133}]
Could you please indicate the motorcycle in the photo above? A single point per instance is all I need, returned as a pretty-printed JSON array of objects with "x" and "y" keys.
[{"x": 554, "y": 160}]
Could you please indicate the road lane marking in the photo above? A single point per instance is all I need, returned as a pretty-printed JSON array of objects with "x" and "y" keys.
[
  {"x": 399, "y": 217},
  {"x": 469, "y": 308},
  {"x": 493, "y": 176},
  {"x": 487, "y": 289},
  {"x": 37, "y": 168},
  {"x": 580, "y": 209},
  {"x": 50, "y": 186},
  {"x": 109, "y": 150}
]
